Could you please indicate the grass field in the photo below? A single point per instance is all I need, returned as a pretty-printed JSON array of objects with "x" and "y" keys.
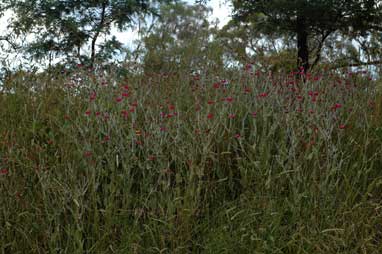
[{"x": 239, "y": 162}]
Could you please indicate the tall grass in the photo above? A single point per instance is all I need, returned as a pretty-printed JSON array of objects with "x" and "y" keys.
[{"x": 234, "y": 162}]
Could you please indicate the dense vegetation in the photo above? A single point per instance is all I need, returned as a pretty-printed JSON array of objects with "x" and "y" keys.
[{"x": 201, "y": 140}]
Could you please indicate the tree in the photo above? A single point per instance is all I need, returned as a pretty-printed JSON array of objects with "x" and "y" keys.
[
  {"x": 182, "y": 38},
  {"x": 70, "y": 28},
  {"x": 310, "y": 19}
]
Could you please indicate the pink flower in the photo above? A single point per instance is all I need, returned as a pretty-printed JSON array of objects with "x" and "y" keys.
[
  {"x": 88, "y": 112},
  {"x": 254, "y": 114},
  {"x": 231, "y": 116},
  {"x": 210, "y": 116},
  {"x": 263, "y": 95},
  {"x": 118, "y": 99},
  {"x": 342, "y": 126},
  {"x": 237, "y": 136}
]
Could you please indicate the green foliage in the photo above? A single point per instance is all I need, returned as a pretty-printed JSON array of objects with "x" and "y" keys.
[
  {"x": 313, "y": 21},
  {"x": 182, "y": 39},
  {"x": 69, "y": 29}
]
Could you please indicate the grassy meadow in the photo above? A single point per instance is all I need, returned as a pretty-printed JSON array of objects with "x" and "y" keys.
[{"x": 230, "y": 162}]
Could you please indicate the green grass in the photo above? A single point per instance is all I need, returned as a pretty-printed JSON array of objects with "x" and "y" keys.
[{"x": 257, "y": 165}]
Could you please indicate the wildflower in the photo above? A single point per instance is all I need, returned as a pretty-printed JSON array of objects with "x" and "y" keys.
[
  {"x": 342, "y": 126},
  {"x": 125, "y": 113},
  {"x": 336, "y": 106},
  {"x": 237, "y": 136},
  {"x": 210, "y": 102},
  {"x": 171, "y": 107},
  {"x": 229, "y": 99},
  {"x": 263, "y": 95},
  {"x": 125, "y": 95},
  {"x": 93, "y": 96},
  {"x": 247, "y": 90},
  {"x": 216, "y": 85},
  {"x": 88, "y": 154},
  {"x": 98, "y": 113},
  {"x": 4, "y": 171},
  {"x": 106, "y": 138},
  {"x": 231, "y": 116},
  {"x": 210, "y": 116},
  {"x": 254, "y": 114},
  {"x": 118, "y": 99},
  {"x": 88, "y": 112},
  {"x": 151, "y": 158}
]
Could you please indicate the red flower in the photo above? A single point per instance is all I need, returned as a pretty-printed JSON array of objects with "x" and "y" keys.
[
  {"x": 88, "y": 112},
  {"x": 93, "y": 96},
  {"x": 254, "y": 114},
  {"x": 210, "y": 102},
  {"x": 237, "y": 135},
  {"x": 88, "y": 154},
  {"x": 263, "y": 95},
  {"x": 336, "y": 106},
  {"x": 4, "y": 171},
  {"x": 210, "y": 116},
  {"x": 229, "y": 99},
  {"x": 125, "y": 113},
  {"x": 342, "y": 126},
  {"x": 231, "y": 116},
  {"x": 118, "y": 99}
]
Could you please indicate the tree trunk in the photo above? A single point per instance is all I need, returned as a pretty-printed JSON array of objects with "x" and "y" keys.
[
  {"x": 302, "y": 44},
  {"x": 98, "y": 31}
]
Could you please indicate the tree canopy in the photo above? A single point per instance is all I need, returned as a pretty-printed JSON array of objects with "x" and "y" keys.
[
  {"x": 73, "y": 28},
  {"x": 310, "y": 19}
]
